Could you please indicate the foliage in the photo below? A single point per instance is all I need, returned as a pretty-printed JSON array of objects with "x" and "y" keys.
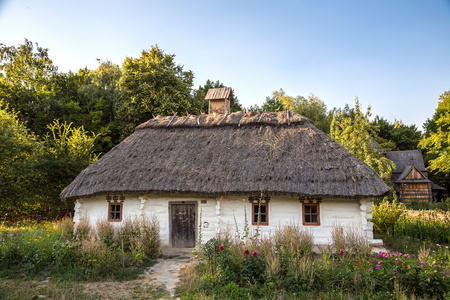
[
  {"x": 355, "y": 135},
  {"x": 437, "y": 138},
  {"x": 335, "y": 274},
  {"x": 394, "y": 219},
  {"x": 273, "y": 105},
  {"x": 395, "y": 136},
  {"x": 25, "y": 83},
  {"x": 350, "y": 241},
  {"x": 311, "y": 107},
  {"x": 37, "y": 250},
  {"x": 386, "y": 215},
  {"x": 152, "y": 85},
  {"x": 99, "y": 98},
  {"x": 20, "y": 155}
]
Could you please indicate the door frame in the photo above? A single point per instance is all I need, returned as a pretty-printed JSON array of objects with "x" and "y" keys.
[{"x": 195, "y": 221}]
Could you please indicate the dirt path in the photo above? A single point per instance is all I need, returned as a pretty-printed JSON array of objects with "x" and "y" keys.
[
  {"x": 165, "y": 272},
  {"x": 158, "y": 282}
]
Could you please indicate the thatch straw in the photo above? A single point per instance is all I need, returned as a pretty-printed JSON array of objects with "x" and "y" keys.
[{"x": 198, "y": 157}]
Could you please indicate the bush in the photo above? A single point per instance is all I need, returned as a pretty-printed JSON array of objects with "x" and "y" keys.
[
  {"x": 83, "y": 229},
  {"x": 386, "y": 215},
  {"x": 277, "y": 274}
]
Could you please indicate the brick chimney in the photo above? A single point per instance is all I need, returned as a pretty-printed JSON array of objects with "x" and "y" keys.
[{"x": 220, "y": 100}]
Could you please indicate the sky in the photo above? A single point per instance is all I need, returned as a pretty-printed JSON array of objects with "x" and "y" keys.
[{"x": 392, "y": 55}]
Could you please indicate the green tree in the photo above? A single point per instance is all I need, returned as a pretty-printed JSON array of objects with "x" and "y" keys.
[
  {"x": 152, "y": 85},
  {"x": 395, "y": 136},
  {"x": 69, "y": 150},
  {"x": 26, "y": 77},
  {"x": 436, "y": 140},
  {"x": 20, "y": 156},
  {"x": 273, "y": 104},
  {"x": 355, "y": 135},
  {"x": 311, "y": 107},
  {"x": 99, "y": 97}
]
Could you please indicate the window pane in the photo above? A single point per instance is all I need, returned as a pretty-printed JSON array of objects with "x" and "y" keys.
[
  {"x": 314, "y": 209},
  {"x": 255, "y": 218},
  {"x": 307, "y": 219},
  {"x": 263, "y": 219},
  {"x": 111, "y": 216},
  {"x": 263, "y": 209},
  {"x": 307, "y": 209},
  {"x": 314, "y": 218},
  {"x": 117, "y": 216}
]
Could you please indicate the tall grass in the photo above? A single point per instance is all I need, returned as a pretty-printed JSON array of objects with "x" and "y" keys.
[
  {"x": 90, "y": 253},
  {"x": 395, "y": 219}
]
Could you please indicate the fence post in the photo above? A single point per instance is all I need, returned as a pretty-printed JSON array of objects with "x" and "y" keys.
[{"x": 123, "y": 260}]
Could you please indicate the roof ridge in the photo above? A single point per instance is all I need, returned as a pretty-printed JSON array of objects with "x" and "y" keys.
[{"x": 236, "y": 119}]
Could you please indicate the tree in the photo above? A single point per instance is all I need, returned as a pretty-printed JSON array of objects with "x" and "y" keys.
[
  {"x": 20, "y": 155},
  {"x": 25, "y": 84},
  {"x": 273, "y": 104},
  {"x": 311, "y": 107},
  {"x": 152, "y": 85},
  {"x": 395, "y": 136},
  {"x": 355, "y": 135},
  {"x": 100, "y": 97},
  {"x": 69, "y": 150},
  {"x": 436, "y": 141}
]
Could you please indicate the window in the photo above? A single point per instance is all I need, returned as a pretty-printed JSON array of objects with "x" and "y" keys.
[
  {"x": 311, "y": 214},
  {"x": 260, "y": 212},
  {"x": 115, "y": 212}
]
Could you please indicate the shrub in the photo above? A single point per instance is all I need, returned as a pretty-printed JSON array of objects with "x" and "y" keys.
[
  {"x": 386, "y": 215},
  {"x": 83, "y": 229},
  {"x": 66, "y": 227},
  {"x": 105, "y": 231},
  {"x": 349, "y": 240},
  {"x": 98, "y": 260},
  {"x": 151, "y": 239}
]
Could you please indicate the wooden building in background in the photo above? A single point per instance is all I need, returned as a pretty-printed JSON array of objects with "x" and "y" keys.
[{"x": 411, "y": 177}]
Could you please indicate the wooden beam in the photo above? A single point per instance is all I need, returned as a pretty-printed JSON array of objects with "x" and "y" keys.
[
  {"x": 222, "y": 119},
  {"x": 243, "y": 115},
  {"x": 173, "y": 117},
  {"x": 262, "y": 114},
  {"x": 187, "y": 117}
]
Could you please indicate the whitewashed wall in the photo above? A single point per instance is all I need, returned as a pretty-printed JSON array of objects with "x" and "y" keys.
[{"x": 219, "y": 214}]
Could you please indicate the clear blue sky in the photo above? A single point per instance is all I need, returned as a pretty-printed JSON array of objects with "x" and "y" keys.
[{"x": 392, "y": 55}]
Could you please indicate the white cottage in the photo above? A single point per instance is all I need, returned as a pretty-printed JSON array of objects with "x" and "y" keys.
[{"x": 278, "y": 165}]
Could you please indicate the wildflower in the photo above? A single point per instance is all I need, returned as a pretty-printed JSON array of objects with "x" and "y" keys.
[
  {"x": 255, "y": 254},
  {"x": 341, "y": 252},
  {"x": 221, "y": 247},
  {"x": 407, "y": 266},
  {"x": 436, "y": 266},
  {"x": 421, "y": 264},
  {"x": 370, "y": 269},
  {"x": 246, "y": 251},
  {"x": 380, "y": 262}
]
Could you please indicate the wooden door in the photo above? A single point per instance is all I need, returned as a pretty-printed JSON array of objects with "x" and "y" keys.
[{"x": 183, "y": 225}]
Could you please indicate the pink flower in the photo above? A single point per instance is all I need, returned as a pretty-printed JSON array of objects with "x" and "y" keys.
[
  {"x": 221, "y": 248},
  {"x": 246, "y": 251},
  {"x": 341, "y": 252},
  {"x": 255, "y": 254}
]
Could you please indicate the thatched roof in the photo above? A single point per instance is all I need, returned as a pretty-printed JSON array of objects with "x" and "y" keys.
[{"x": 240, "y": 153}]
